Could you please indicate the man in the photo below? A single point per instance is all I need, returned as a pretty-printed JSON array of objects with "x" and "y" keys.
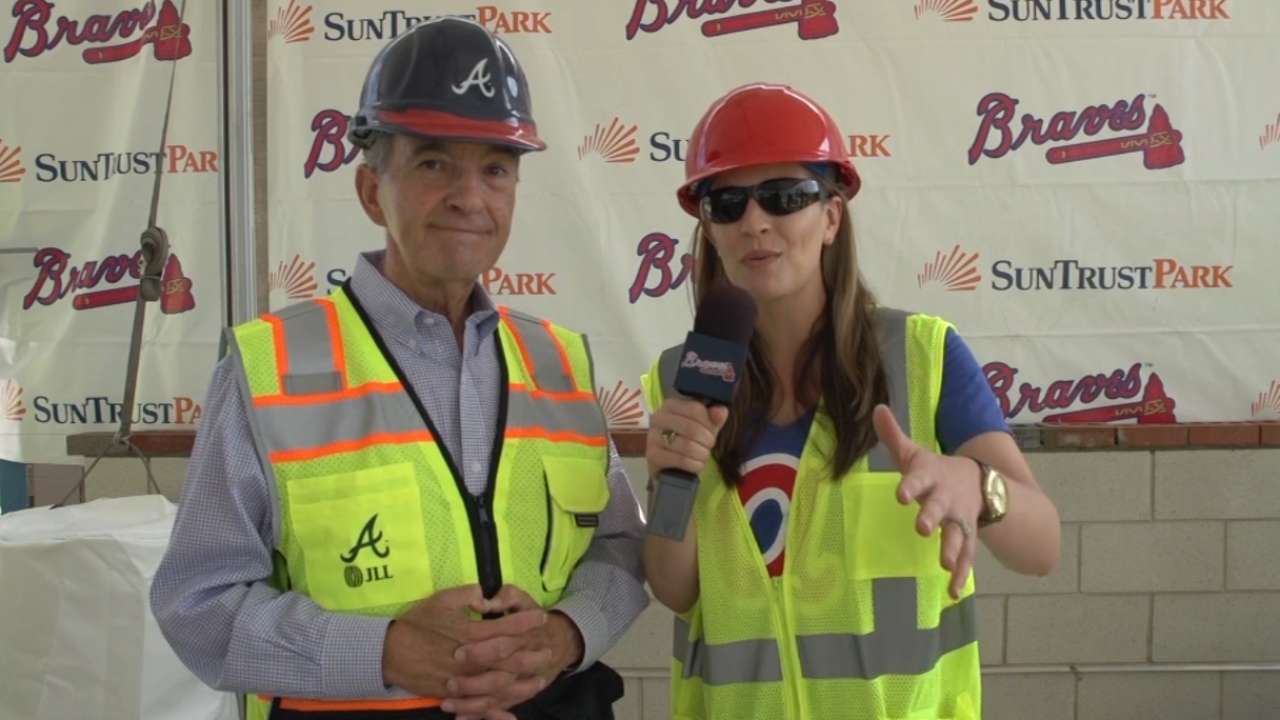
[{"x": 403, "y": 450}]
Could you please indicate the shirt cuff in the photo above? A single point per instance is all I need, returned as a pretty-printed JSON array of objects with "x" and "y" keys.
[
  {"x": 584, "y": 613},
  {"x": 351, "y": 664}
]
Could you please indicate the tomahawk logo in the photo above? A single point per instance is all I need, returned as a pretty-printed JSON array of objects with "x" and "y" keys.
[{"x": 478, "y": 78}]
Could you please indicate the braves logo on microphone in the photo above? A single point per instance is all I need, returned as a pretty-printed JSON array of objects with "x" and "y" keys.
[
  {"x": 814, "y": 19},
  {"x": 37, "y": 32},
  {"x": 58, "y": 278},
  {"x": 1153, "y": 136},
  {"x": 1154, "y": 406},
  {"x": 712, "y": 368}
]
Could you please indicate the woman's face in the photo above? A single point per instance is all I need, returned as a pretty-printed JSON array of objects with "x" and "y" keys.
[{"x": 775, "y": 258}]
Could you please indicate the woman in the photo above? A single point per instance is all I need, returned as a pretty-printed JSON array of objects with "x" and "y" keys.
[{"x": 862, "y": 441}]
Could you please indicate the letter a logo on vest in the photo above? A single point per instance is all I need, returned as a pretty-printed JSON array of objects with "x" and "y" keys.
[
  {"x": 369, "y": 538},
  {"x": 479, "y": 78}
]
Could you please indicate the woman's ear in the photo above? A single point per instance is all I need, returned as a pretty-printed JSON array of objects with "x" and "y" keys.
[{"x": 833, "y": 212}]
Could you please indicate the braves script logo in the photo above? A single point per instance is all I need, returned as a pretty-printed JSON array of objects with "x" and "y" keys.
[
  {"x": 1160, "y": 144},
  {"x": 11, "y": 169},
  {"x": 722, "y": 370},
  {"x": 295, "y": 279},
  {"x": 58, "y": 278},
  {"x": 656, "y": 251},
  {"x": 954, "y": 271},
  {"x": 292, "y": 22},
  {"x": 621, "y": 406},
  {"x": 11, "y": 401},
  {"x": 949, "y": 10},
  {"x": 329, "y": 149},
  {"x": 616, "y": 143},
  {"x": 32, "y": 35},
  {"x": 1155, "y": 406},
  {"x": 814, "y": 19}
]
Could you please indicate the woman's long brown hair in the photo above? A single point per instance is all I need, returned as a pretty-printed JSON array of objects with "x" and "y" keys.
[{"x": 839, "y": 362}]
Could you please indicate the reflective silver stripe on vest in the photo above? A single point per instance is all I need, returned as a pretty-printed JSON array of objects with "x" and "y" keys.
[
  {"x": 891, "y": 333},
  {"x": 296, "y": 427},
  {"x": 548, "y": 370},
  {"x": 312, "y": 368},
  {"x": 735, "y": 662},
  {"x": 896, "y": 647},
  {"x": 579, "y": 416}
]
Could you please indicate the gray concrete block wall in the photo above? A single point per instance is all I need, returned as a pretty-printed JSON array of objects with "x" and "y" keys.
[{"x": 1171, "y": 557}]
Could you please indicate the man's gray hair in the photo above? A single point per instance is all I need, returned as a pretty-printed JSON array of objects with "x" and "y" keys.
[{"x": 378, "y": 153}]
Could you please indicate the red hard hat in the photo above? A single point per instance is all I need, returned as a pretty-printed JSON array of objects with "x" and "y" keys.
[{"x": 763, "y": 124}]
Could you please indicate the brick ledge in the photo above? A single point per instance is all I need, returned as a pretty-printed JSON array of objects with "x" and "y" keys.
[{"x": 1035, "y": 438}]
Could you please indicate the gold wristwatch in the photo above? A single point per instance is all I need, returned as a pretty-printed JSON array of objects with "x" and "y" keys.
[{"x": 995, "y": 495}]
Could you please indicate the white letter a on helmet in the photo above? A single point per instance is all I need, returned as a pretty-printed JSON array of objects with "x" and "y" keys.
[{"x": 479, "y": 78}]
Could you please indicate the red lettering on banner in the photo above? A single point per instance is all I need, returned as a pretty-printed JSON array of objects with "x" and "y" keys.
[
  {"x": 656, "y": 251},
  {"x": 667, "y": 12},
  {"x": 55, "y": 280},
  {"x": 330, "y": 128},
  {"x": 1060, "y": 394},
  {"x": 997, "y": 111},
  {"x": 31, "y": 36}
]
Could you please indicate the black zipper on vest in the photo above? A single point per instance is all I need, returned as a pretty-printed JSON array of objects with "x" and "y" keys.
[{"x": 484, "y": 532}]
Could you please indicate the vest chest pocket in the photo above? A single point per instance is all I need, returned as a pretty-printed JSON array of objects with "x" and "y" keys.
[
  {"x": 880, "y": 532},
  {"x": 360, "y": 536},
  {"x": 577, "y": 492}
]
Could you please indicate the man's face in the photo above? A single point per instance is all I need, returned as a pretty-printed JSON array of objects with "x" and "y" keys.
[{"x": 446, "y": 206}]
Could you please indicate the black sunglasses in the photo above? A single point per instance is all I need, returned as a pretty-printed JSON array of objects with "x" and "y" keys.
[{"x": 779, "y": 196}]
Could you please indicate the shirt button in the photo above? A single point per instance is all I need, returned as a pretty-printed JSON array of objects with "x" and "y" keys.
[{"x": 475, "y": 467}]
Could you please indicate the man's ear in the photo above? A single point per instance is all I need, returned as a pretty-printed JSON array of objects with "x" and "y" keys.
[{"x": 367, "y": 182}]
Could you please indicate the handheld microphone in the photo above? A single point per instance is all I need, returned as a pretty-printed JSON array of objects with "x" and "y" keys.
[{"x": 711, "y": 362}]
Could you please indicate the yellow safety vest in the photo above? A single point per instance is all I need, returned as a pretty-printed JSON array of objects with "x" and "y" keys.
[
  {"x": 860, "y": 625},
  {"x": 371, "y": 514}
]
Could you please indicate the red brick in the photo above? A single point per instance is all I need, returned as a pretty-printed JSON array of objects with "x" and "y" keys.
[
  {"x": 1224, "y": 435},
  {"x": 630, "y": 443},
  {"x": 1271, "y": 434},
  {"x": 1152, "y": 436},
  {"x": 1078, "y": 437}
]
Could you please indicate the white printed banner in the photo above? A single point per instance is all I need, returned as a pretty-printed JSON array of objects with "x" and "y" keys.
[
  {"x": 1090, "y": 190},
  {"x": 85, "y": 86}
]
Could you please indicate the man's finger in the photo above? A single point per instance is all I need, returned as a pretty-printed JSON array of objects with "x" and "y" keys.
[
  {"x": 478, "y": 705},
  {"x": 487, "y": 685},
  {"x": 487, "y": 653},
  {"x": 527, "y": 662},
  {"x": 515, "y": 624},
  {"x": 900, "y": 447},
  {"x": 511, "y": 597}
]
